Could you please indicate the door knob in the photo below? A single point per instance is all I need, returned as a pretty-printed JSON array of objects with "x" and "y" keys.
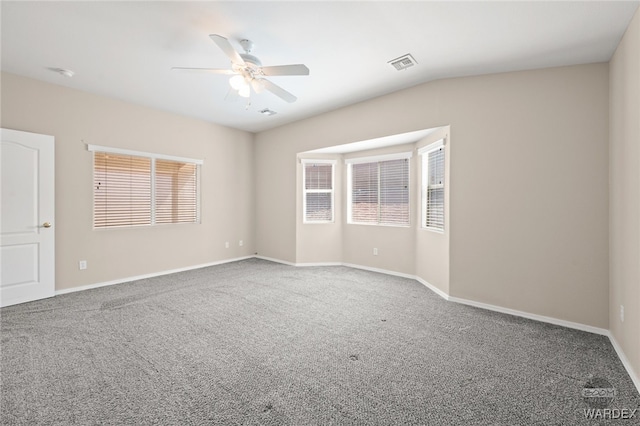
[{"x": 47, "y": 225}]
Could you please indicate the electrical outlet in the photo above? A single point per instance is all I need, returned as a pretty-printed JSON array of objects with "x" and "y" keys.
[
  {"x": 240, "y": 243},
  {"x": 226, "y": 244},
  {"x": 621, "y": 313},
  {"x": 82, "y": 265},
  {"x": 375, "y": 251}
]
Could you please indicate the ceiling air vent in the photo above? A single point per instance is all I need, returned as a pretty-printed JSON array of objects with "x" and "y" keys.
[
  {"x": 268, "y": 112},
  {"x": 403, "y": 62}
]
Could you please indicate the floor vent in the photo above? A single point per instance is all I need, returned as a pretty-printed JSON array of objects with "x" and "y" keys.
[{"x": 403, "y": 62}]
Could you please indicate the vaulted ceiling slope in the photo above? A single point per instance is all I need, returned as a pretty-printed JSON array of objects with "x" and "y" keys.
[{"x": 126, "y": 50}]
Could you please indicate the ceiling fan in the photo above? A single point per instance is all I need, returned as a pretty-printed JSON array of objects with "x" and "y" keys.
[{"x": 248, "y": 72}]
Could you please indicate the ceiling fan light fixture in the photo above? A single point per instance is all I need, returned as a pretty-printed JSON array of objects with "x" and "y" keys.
[
  {"x": 244, "y": 91},
  {"x": 237, "y": 82}
]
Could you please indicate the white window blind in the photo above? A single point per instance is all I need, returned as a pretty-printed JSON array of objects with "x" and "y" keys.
[
  {"x": 318, "y": 178},
  {"x": 379, "y": 191},
  {"x": 133, "y": 188},
  {"x": 433, "y": 182},
  {"x": 122, "y": 190}
]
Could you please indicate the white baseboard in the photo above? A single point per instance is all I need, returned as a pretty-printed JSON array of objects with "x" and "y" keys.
[
  {"x": 349, "y": 265},
  {"x": 542, "y": 318},
  {"x": 271, "y": 259},
  {"x": 433, "y": 288},
  {"x": 380, "y": 271},
  {"x": 319, "y": 264},
  {"x": 151, "y": 275},
  {"x": 635, "y": 377},
  {"x": 286, "y": 262}
]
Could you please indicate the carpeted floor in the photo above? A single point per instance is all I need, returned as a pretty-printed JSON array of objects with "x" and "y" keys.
[{"x": 255, "y": 342}]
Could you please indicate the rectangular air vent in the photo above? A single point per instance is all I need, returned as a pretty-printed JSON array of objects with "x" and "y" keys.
[
  {"x": 268, "y": 112},
  {"x": 403, "y": 62}
]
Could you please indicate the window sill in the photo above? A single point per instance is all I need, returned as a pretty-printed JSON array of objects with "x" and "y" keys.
[
  {"x": 380, "y": 224},
  {"x": 435, "y": 230},
  {"x": 147, "y": 226}
]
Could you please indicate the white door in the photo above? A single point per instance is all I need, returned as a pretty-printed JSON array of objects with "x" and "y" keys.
[{"x": 27, "y": 242}]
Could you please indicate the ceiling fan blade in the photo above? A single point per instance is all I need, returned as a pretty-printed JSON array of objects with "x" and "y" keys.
[
  {"x": 296, "y": 69},
  {"x": 257, "y": 85},
  {"x": 226, "y": 47},
  {"x": 209, "y": 70},
  {"x": 278, "y": 91}
]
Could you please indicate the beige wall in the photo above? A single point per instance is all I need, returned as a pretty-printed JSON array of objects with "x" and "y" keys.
[
  {"x": 77, "y": 118},
  {"x": 529, "y": 216},
  {"x": 624, "y": 174},
  {"x": 529, "y": 228}
]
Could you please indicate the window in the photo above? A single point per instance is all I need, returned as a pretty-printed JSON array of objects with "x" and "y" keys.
[
  {"x": 433, "y": 186},
  {"x": 379, "y": 190},
  {"x": 135, "y": 188},
  {"x": 318, "y": 182}
]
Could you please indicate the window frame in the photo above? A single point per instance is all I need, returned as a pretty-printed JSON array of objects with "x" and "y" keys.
[
  {"x": 152, "y": 157},
  {"x": 377, "y": 159},
  {"x": 424, "y": 184},
  {"x": 305, "y": 191}
]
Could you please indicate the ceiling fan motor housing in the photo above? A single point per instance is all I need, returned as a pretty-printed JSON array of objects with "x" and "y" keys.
[
  {"x": 247, "y": 45},
  {"x": 251, "y": 60}
]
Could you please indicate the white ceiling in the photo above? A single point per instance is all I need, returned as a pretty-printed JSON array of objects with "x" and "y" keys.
[{"x": 126, "y": 50}]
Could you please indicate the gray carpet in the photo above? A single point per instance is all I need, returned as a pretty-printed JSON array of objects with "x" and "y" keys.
[{"x": 254, "y": 342}]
